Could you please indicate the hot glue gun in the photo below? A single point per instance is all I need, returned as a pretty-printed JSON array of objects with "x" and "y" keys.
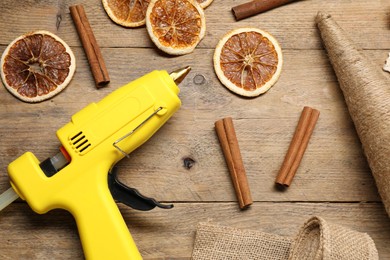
[{"x": 81, "y": 178}]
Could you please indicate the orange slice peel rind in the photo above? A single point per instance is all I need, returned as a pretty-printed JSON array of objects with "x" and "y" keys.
[{"x": 204, "y": 3}]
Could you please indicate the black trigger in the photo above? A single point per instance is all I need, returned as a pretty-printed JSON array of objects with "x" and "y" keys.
[{"x": 131, "y": 196}]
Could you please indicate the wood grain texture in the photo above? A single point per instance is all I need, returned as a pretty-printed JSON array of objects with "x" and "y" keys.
[
  {"x": 293, "y": 24},
  {"x": 167, "y": 234},
  {"x": 183, "y": 162}
]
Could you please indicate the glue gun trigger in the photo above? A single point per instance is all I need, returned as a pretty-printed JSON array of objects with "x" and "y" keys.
[{"x": 131, "y": 196}]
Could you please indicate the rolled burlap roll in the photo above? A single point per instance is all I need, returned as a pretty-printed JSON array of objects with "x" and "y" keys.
[
  {"x": 317, "y": 239},
  {"x": 367, "y": 94}
]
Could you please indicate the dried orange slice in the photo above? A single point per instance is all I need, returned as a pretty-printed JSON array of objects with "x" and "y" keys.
[
  {"x": 36, "y": 66},
  {"x": 175, "y": 26},
  {"x": 128, "y": 13},
  {"x": 204, "y": 3},
  {"x": 248, "y": 61}
]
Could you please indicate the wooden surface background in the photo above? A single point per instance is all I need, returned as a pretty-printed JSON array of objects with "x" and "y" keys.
[{"x": 333, "y": 180}]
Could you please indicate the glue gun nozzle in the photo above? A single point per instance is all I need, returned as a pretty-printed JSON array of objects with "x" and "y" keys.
[{"x": 180, "y": 74}]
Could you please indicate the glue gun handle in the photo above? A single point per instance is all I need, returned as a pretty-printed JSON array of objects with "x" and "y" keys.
[{"x": 103, "y": 232}]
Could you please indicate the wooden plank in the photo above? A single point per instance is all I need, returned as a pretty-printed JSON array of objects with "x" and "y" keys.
[
  {"x": 293, "y": 25},
  {"x": 169, "y": 234},
  {"x": 333, "y": 181},
  {"x": 264, "y": 125}
]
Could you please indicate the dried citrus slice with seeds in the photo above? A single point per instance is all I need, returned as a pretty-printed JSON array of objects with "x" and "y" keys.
[
  {"x": 128, "y": 13},
  {"x": 204, "y": 3},
  {"x": 175, "y": 26},
  {"x": 248, "y": 61},
  {"x": 36, "y": 66}
]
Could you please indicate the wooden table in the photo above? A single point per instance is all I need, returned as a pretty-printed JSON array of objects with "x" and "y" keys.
[{"x": 183, "y": 163}]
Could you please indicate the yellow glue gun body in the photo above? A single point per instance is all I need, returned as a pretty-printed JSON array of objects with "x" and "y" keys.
[{"x": 97, "y": 137}]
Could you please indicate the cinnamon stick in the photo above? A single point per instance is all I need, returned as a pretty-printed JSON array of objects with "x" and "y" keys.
[
  {"x": 230, "y": 148},
  {"x": 255, "y": 7},
  {"x": 298, "y": 145},
  {"x": 91, "y": 47}
]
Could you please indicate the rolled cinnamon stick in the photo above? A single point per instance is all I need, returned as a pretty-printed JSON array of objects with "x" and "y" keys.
[
  {"x": 91, "y": 47},
  {"x": 302, "y": 148},
  {"x": 298, "y": 145},
  {"x": 255, "y": 7},
  {"x": 230, "y": 148}
]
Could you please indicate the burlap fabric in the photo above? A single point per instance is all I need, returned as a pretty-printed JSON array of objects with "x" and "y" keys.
[
  {"x": 220, "y": 242},
  {"x": 317, "y": 239},
  {"x": 366, "y": 91}
]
